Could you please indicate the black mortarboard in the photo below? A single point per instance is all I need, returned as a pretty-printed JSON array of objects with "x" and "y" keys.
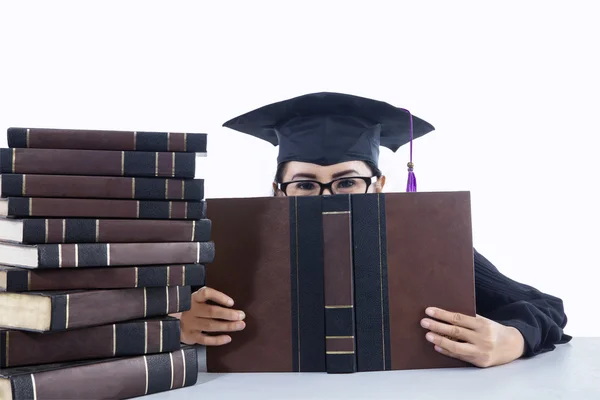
[{"x": 329, "y": 128}]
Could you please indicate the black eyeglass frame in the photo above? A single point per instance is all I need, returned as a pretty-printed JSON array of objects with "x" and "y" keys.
[{"x": 329, "y": 185}]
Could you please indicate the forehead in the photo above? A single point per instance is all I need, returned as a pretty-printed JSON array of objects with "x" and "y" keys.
[{"x": 294, "y": 168}]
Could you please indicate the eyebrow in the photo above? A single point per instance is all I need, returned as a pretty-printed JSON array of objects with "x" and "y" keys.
[{"x": 334, "y": 176}]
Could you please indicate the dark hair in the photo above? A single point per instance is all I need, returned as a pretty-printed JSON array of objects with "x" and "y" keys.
[{"x": 281, "y": 170}]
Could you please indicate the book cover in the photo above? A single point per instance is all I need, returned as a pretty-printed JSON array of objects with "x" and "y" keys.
[{"x": 113, "y": 378}]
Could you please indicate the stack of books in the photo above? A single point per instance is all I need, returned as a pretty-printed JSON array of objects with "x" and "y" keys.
[{"x": 102, "y": 236}]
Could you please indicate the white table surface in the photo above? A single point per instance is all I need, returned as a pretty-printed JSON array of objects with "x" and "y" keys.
[{"x": 572, "y": 371}]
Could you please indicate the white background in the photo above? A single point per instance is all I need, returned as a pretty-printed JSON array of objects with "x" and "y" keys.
[{"x": 512, "y": 88}]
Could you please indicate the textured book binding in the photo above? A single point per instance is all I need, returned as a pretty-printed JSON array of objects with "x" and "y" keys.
[
  {"x": 58, "y": 311},
  {"x": 112, "y": 378},
  {"x": 105, "y": 140},
  {"x": 130, "y": 338},
  {"x": 100, "y": 187},
  {"x": 338, "y": 279},
  {"x": 307, "y": 284},
  {"x": 22, "y": 207},
  {"x": 370, "y": 282},
  {"x": 85, "y": 255},
  {"x": 97, "y": 162},
  {"x": 105, "y": 230},
  {"x": 13, "y": 279}
]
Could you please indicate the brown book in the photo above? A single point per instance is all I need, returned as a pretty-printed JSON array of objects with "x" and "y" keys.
[
  {"x": 97, "y": 162},
  {"x": 130, "y": 338},
  {"x": 22, "y": 207},
  {"x": 87, "y": 230},
  {"x": 100, "y": 187},
  {"x": 409, "y": 251},
  {"x": 47, "y": 138},
  {"x": 75, "y": 255},
  {"x": 13, "y": 279},
  {"x": 58, "y": 311},
  {"x": 111, "y": 378}
]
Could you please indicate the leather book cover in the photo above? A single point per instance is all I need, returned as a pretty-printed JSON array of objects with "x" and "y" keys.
[
  {"x": 97, "y": 162},
  {"x": 105, "y": 230},
  {"x": 111, "y": 378},
  {"x": 100, "y": 187},
  {"x": 85, "y": 255},
  {"x": 63, "y": 310},
  {"x": 50, "y": 207},
  {"x": 129, "y": 338},
  {"x": 409, "y": 251},
  {"x": 271, "y": 263},
  {"x": 14, "y": 279},
  {"x": 88, "y": 139}
]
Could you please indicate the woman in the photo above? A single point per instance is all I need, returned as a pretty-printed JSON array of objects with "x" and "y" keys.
[{"x": 328, "y": 144}]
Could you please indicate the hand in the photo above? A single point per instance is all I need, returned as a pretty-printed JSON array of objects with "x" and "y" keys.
[
  {"x": 485, "y": 343},
  {"x": 204, "y": 317}
]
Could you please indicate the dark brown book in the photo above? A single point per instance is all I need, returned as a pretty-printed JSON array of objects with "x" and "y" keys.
[
  {"x": 58, "y": 311},
  {"x": 48, "y": 138},
  {"x": 111, "y": 378},
  {"x": 14, "y": 279},
  {"x": 410, "y": 251},
  {"x": 100, "y": 187},
  {"x": 49, "y": 207},
  {"x": 97, "y": 162},
  {"x": 130, "y": 338},
  {"x": 87, "y": 230},
  {"x": 75, "y": 255}
]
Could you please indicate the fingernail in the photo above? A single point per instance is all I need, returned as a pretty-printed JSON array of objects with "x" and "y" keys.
[
  {"x": 437, "y": 348},
  {"x": 430, "y": 312},
  {"x": 240, "y": 325},
  {"x": 242, "y": 315},
  {"x": 230, "y": 302},
  {"x": 425, "y": 323},
  {"x": 228, "y": 339},
  {"x": 429, "y": 337}
]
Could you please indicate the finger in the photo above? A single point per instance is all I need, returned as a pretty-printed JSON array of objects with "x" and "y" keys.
[
  {"x": 461, "y": 349},
  {"x": 206, "y": 293},
  {"x": 217, "y": 312},
  {"x": 207, "y": 340},
  {"x": 453, "y": 331},
  {"x": 212, "y": 325},
  {"x": 447, "y": 353},
  {"x": 453, "y": 318}
]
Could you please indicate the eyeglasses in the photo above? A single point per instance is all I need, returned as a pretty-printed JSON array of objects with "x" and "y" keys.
[{"x": 349, "y": 185}]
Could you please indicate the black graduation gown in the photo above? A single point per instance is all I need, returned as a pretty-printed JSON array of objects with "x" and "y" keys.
[{"x": 539, "y": 317}]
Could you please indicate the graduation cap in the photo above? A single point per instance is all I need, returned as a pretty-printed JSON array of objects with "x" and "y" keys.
[{"x": 329, "y": 128}]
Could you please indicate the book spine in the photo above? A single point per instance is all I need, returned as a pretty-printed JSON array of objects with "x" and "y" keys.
[
  {"x": 82, "y": 230},
  {"x": 24, "y": 280},
  {"x": 97, "y": 162},
  {"x": 338, "y": 278},
  {"x": 120, "y": 378},
  {"x": 80, "y": 309},
  {"x": 308, "y": 307},
  {"x": 101, "y": 187},
  {"x": 113, "y": 340},
  {"x": 370, "y": 282},
  {"x": 121, "y": 254},
  {"x": 104, "y": 208},
  {"x": 45, "y": 138}
]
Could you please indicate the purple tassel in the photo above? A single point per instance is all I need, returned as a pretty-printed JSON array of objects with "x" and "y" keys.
[{"x": 411, "y": 185}]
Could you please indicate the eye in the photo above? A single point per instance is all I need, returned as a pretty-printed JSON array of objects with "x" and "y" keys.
[
  {"x": 346, "y": 183},
  {"x": 304, "y": 186}
]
